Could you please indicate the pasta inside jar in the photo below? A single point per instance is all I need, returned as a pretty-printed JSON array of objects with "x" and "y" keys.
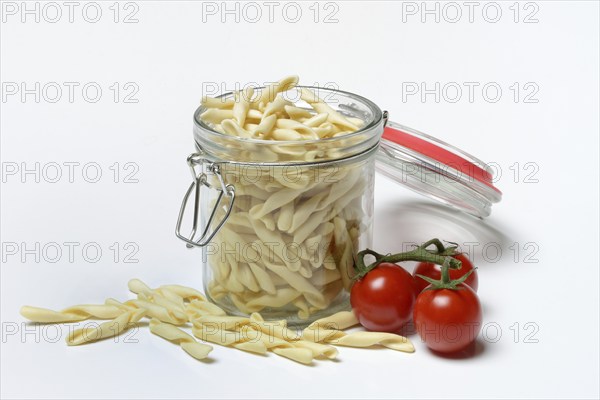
[{"x": 301, "y": 176}]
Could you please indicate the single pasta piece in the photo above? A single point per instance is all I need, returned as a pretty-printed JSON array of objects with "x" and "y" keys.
[
  {"x": 211, "y": 102},
  {"x": 316, "y": 120},
  {"x": 340, "y": 321},
  {"x": 71, "y": 314},
  {"x": 368, "y": 339}
]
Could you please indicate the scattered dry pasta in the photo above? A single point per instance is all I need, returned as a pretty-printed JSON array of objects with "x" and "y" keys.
[{"x": 209, "y": 323}]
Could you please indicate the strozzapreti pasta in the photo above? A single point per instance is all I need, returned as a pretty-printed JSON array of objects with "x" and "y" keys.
[
  {"x": 288, "y": 245},
  {"x": 209, "y": 323}
]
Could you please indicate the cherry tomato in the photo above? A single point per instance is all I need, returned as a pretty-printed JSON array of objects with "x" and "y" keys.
[
  {"x": 434, "y": 271},
  {"x": 383, "y": 299},
  {"x": 448, "y": 320}
]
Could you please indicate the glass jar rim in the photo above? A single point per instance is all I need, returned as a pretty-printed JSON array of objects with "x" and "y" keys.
[{"x": 373, "y": 123}]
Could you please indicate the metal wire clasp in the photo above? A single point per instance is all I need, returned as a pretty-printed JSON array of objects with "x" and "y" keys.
[{"x": 200, "y": 167}]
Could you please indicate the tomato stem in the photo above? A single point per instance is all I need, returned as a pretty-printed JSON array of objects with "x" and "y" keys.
[
  {"x": 445, "y": 274},
  {"x": 445, "y": 282},
  {"x": 441, "y": 255}
]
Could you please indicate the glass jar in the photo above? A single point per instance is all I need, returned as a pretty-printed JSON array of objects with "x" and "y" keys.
[
  {"x": 286, "y": 217},
  {"x": 280, "y": 222}
]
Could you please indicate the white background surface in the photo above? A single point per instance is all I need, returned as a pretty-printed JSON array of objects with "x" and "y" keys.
[{"x": 169, "y": 53}]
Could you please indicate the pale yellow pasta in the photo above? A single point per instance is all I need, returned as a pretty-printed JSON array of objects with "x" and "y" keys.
[
  {"x": 317, "y": 349},
  {"x": 308, "y": 212},
  {"x": 286, "y": 215},
  {"x": 187, "y": 293},
  {"x": 210, "y": 323},
  {"x": 264, "y": 278},
  {"x": 178, "y": 336},
  {"x": 216, "y": 115},
  {"x": 340, "y": 321},
  {"x": 298, "y": 113},
  {"x": 210, "y": 102},
  {"x": 105, "y": 330},
  {"x": 275, "y": 201},
  {"x": 309, "y": 226},
  {"x": 224, "y": 322},
  {"x": 298, "y": 183},
  {"x": 321, "y": 107},
  {"x": 161, "y": 296},
  {"x": 306, "y": 209},
  {"x": 299, "y": 127},
  {"x": 286, "y": 349},
  {"x": 356, "y": 121},
  {"x": 231, "y": 127},
  {"x": 71, "y": 314},
  {"x": 175, "y": 305},
  {"x": 242, "y": 105},
  {"x": 277, "y": 329},
  {"x": 229, "y": 338},
  {"x": 298, "y": 354},
  {"x": 166, "y": 295},
  {"x": 316, "y": 120},
  {"x": 152, "y": 310},
  {"x": 172, "y": 297},
  {"x": 215, "y": 335},
  {"x": 333, "y": 130},
  {"x": 120, "y": 305},
  {"x": 275, "y": 106},
  {"x": 368, "y": 339},
  {"x": 197, "y": 308},
  {"x": 254, "y": 114},
  {"x": 269, "y": 92},
  {"x": 322, "y": 335},
  {"x": 286, "y": 134},
  {"x": 265, "y": 126},
  {"x": 329, "y": 330}
]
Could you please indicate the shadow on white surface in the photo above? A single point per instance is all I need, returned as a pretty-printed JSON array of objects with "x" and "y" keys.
[
  {"x": 474, "y": 350},
  {"x": 402, "y": 224}
]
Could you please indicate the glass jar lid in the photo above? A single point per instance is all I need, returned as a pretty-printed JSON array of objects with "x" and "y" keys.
[{"x": 437, "y": 170}]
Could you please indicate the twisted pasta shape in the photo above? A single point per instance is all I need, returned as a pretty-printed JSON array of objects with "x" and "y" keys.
[
  {"x": 188, "y": 343},
  {"x": 71, "y": 314},
  {"x": 105, "y": 330},
  {"x": 210, "y": 323}
]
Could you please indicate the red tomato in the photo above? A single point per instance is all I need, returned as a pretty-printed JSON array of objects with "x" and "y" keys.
[
  {"x": 383, "y": 299},
  {"x": 448, "y": 320},
  {"x": 434, "y": 271}
]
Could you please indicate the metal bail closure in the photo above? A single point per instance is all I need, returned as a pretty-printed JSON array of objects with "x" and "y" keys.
[{"x": 198, "y": 166}]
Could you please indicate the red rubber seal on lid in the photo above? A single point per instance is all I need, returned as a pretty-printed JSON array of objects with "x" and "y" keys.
[{"x": 439, "y": 154}]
